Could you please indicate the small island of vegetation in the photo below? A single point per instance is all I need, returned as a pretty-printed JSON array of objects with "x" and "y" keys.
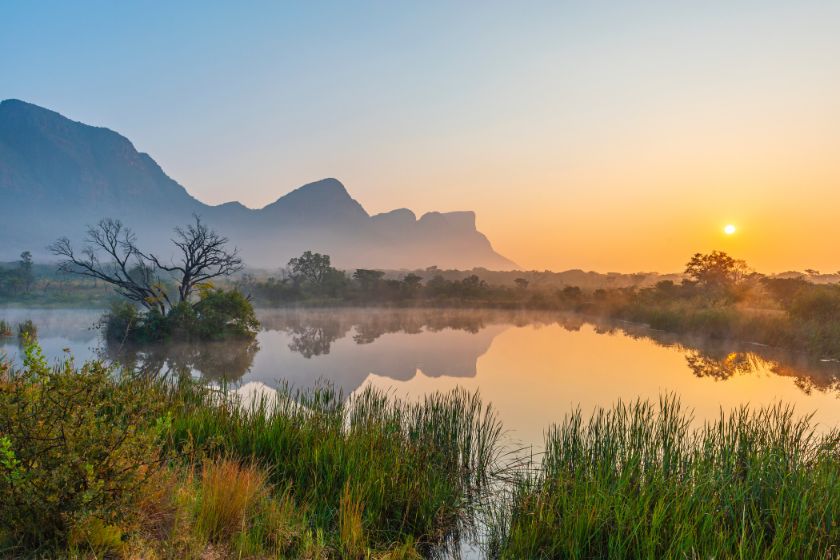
[{"x": 178, "y": 298}]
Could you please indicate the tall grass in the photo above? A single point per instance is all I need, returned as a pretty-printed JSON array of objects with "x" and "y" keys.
[
  {"x": 637, "y": 482},
  {"x": 373, "y": 469},
  {"x": 228, "y": 493},
  {"x": 116, "y": 466},
  {"x": 5, "y": 328}
]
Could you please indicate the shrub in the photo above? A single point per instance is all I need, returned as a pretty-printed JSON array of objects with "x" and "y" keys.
[
  {"x": 76, "y": 446},
  {"x": 5, "y": 328},
  {"x": 121, "y": 320},
  {"x": 225, "y": 314},
  {"x": 27, "y": 330},
  {"x": 217, "y": 315},
  {"x": 818, "y": 303}
]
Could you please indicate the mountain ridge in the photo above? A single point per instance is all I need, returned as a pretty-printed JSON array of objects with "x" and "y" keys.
[{"x": 58, "y": 175}]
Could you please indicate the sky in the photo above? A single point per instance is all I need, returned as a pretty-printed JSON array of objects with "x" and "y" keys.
[{"x": 609, "y": 136}]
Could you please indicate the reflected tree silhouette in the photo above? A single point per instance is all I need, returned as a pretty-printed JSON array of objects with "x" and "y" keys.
[
  {"x": 734, "y": 363},
  {"x": 226, "y": 360},
  {"x": 315, "y": 340},
  {"x": 313, "y": 332}
]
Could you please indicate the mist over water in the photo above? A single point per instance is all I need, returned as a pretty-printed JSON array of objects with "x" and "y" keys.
[{"x": 534, "y": 367}]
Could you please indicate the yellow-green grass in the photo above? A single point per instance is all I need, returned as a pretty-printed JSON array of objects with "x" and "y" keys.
[{"x": 637, "y": 481}]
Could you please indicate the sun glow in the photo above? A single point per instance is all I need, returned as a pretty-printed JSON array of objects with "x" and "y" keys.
[{"x": 729, "y": 229}]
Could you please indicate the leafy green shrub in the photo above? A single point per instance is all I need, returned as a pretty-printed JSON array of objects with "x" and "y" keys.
[
  {"x": 27, "y": 330},
  {"x": 217, "y": 315},
  {"x": 121, "y": 320},
  {"x": 817, "y": 303},
  {"x": 224, "y": 314},
  {"x": 76, "y": 446}
]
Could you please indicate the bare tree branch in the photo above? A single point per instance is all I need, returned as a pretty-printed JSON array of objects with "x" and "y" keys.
[
  {"x": 110, "y": 254},
  {"x": 203, "y": 257}
]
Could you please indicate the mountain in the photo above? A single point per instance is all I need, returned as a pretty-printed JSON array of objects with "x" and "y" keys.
[{"x": 57, "y": 176}]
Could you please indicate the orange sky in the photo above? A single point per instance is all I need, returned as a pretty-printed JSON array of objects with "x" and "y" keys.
[{"x": 609, "y": 136}]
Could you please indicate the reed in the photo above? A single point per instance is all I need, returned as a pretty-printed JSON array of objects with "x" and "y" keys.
[
  {"x": 636, "y": 481},
  {"x": 372, "y": 469}
]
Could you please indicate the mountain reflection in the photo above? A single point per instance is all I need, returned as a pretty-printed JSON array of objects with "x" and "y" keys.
[{"x": 346, "y": 346}]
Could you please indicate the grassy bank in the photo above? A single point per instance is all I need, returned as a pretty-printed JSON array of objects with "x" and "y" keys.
[
  {"x": 637, "y": 482},
  {"x": 95, "y": 463}
]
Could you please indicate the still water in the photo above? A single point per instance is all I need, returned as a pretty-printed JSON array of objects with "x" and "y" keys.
[{"x": 533, "y": 367}]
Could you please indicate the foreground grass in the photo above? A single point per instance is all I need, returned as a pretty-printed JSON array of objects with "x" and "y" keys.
[
  {"x": 96, "y": 464},
  {"x": 637, "y": 482}
]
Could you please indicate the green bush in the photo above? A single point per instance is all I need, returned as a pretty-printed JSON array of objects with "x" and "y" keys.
[
  {"x": 222, "y": 314},
  {"x": 121, "y": 319},
  {"x": 76, "y": 446},
  {"x": 27, "y": 330},
  {"x": 217, "y": 315}
]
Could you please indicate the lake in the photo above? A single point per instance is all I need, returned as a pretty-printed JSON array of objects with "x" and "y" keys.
[{"x": 534, "y": 367}]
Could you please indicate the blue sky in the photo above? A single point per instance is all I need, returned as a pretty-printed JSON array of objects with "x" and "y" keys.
[{"x": 550, "y": 119}]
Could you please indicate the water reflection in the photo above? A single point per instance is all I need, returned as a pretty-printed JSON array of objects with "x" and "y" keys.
[
  {"x": 213, "y": 361},
  {"x": 534, "y": 366},
  {"x": 346, "y": 345}
]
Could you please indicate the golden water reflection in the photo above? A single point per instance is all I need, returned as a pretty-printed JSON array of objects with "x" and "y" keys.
[{"x": 534, "y": 367}]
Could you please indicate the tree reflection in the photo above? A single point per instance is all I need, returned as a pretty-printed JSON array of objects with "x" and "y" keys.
[
  {"x": 314, "y": 331},
  {"x": 228, "y": 360},
  {"x": 703, "y": 365},
  {"x": 314, "y": 341}
]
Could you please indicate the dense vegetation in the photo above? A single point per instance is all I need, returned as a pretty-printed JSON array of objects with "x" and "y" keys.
[
  {"x": 637, "y": 482},
  {"x": 719, "y": 297},
  {"x": 178, "y": 298},
  {"x": 94, "y": 462},
  {"x": 99, "y": 463}
]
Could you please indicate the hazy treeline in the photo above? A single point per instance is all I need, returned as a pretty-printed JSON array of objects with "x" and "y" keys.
[{"x": 716, "y": 295}]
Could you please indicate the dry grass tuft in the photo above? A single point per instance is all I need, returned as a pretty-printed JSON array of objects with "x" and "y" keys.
[{"x": 228, "y": 492}]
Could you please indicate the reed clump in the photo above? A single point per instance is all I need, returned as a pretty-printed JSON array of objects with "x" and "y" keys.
[
  {"x": 95, "y": 463},
  {"x": 5, "y": 328},
  {"x": 373, "y": 470},
  {"x": 99, "y": 463},
  {"x": 637, "y": 481}
]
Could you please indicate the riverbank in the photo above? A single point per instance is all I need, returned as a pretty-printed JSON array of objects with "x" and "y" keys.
[{"x": 174, "y": 469}]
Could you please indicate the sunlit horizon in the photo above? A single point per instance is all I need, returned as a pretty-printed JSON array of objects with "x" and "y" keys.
[{"x": 606, "y": 138}]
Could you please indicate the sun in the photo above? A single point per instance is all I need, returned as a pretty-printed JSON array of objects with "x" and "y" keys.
[{"x": 729, "y": 229}]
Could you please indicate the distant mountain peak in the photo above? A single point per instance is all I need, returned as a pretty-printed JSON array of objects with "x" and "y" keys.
[
  {"x": 326, "y": 198},
  {"x": 325, "y": 188},
  {"x": 18, "y": 105},
  {"x": 64, "y": 175}
]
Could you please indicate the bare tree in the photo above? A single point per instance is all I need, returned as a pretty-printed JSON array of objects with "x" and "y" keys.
[
  {"x": 110, "y": 254},
  {"x": 203, "y": 257}
]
